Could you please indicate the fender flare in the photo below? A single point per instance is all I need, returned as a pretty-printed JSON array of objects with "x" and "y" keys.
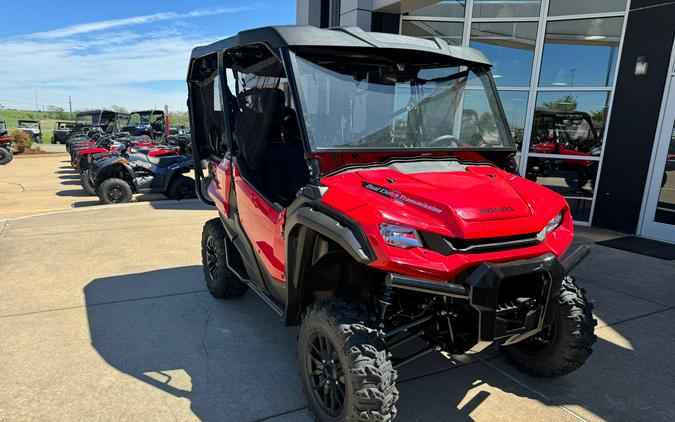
[
  {"x": 302, "y": 225},
  {"x": 109, "y": 167},
  {"x": 183, "y": 167}
]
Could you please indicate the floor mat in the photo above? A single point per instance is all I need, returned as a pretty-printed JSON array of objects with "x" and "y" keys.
[{"x": 642, "y": 246}]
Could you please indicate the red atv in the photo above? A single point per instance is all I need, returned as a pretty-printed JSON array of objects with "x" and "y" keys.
[{"x": 355, "y": 197}]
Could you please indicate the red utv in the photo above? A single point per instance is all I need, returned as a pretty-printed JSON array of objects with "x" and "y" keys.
[
  {"x": 357, "y": 195},
  {"x": 568, "y": 134}
]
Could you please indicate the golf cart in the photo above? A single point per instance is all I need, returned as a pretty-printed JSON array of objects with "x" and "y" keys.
[
  {"x": 32, "y": 128},
  {"x": 357, "y": 200},
  {"x": 62, "y": 131},
  {"x": 148, "y": 122}
]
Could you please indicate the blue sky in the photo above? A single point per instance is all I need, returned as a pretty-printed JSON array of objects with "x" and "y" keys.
[{"x": 128, "y": 53}]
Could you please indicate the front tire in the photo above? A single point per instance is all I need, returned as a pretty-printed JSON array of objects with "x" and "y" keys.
[
  {"x": 86, "y": 183},
  {"x": 114, "y": 191},
  {"x": 345, "y": 369},
  {"x": 563, "y": 347},
  {"x": 220, "y": 280},
  {"x": 181, "y": 187},
  {"x": 5, "y": 155}
]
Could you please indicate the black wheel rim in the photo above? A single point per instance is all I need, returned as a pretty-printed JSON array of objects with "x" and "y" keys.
[
  {"x": 184, "y": 190},
  {"x": 115, "y": 194},
  {"x": 539, "y": 343},
  {"x": 326, "y": 376},
  {"x": 211, "y": 258}
]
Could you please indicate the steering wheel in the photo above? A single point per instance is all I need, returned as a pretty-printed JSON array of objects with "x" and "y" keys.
[{"x": 444, "y": 141}]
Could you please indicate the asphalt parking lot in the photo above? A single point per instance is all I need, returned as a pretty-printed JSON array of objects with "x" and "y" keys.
[{"x": 104, "y": 315}]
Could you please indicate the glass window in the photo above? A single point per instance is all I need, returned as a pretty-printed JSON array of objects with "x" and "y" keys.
[
  {"x": 581, "y": 52},
  {"x": 451, "y": 32},
  {"x": 578, "y": 7},
  {"x": 505, "y": 8},
  {"x": 569, "y": 123},
  {"x": 575, "y": 181},
  {"x": 665, "y": 209},
  {"x": 515, "y": 109},
  {"x": 441, "y": 9},
  {"x": 510, "y": 48}
]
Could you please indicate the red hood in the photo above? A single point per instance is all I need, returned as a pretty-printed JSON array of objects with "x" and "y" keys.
[{"x": 473, "y": 201}]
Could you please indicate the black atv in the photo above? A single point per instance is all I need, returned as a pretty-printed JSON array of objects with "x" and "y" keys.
[
  {"x": 116, "y": 177},
  {"x": 5, "y": 149},
  {"x": 62, "y": 131}
]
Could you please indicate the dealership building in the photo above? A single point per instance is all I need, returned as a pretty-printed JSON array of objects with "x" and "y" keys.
[{"x": 588, "y": 89}]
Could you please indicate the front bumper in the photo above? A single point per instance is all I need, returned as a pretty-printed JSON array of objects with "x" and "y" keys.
[{"x": 492, "y": 289}]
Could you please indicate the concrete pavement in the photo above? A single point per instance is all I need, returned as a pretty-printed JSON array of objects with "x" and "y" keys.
[
  {"x": 104, "y": 315},
  {"x": 34, "y": 184}
]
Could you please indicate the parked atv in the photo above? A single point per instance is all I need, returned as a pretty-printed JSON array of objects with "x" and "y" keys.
[
  {"x": 352, "y": 200},
  {"x": 116, "y": 177},
  {"x": 107, "y": 144},
  {"x": 32, "y": 128},
  {"x": 117, "y": 148},
  {"x": 6, "y": 154},
  {"x": 62, "y": 131}
]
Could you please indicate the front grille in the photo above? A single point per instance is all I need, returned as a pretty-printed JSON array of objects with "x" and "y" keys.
[{"x": 492, "y": 243}]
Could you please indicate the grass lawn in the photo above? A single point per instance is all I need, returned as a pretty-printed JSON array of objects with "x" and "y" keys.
[{"x": 47, "y": 121}]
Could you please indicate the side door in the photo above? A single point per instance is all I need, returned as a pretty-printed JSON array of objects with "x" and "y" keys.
[
  {"x": 258, "y": 78},
  {"x": 262, "y": 222}
]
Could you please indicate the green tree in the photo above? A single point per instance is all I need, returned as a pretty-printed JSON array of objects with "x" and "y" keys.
[{"x": 564, "y": 103}]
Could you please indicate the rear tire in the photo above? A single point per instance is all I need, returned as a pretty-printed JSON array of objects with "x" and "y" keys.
[
  {"x": 114, "y": 191},
  {"x": 564, "y": 346},
  {"x": 5, "y": 155},
  {"x": 220, "y": 280},
  {"x": 181, "y": 187},
  {"x": 345, "y": 369},
  {"x": 86, "y": 183}
]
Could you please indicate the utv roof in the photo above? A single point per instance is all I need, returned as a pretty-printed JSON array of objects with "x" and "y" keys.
[{"x": 341, "y": 37}]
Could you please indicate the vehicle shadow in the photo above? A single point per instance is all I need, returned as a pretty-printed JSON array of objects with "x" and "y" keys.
[
  {"x": 72, "y": 192},
  {"x": 70, "y": 177},
  {"x": 235, "y": 360}
]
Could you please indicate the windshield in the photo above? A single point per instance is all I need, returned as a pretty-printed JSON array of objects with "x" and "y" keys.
[
  {"x": 88, "y": 119},
  {"x": 145, "y": 118},
  {"x": 358, "y": 102},
  {"x": 28, "y": 124},
  {"x": 573, "y": 130}
]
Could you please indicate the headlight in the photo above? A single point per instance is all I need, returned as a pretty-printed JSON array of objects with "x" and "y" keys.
[
  {"x": 553, "y": 224},
  {"x": 399, "y": 236}
]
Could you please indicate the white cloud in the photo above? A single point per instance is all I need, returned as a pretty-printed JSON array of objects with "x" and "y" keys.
[
  {"x": 104, "y": 63},
  {"x": 85, "y": 28}
]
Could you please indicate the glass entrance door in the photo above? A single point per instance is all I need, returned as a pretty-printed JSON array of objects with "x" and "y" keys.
[{"x": 659, "y": 216}]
